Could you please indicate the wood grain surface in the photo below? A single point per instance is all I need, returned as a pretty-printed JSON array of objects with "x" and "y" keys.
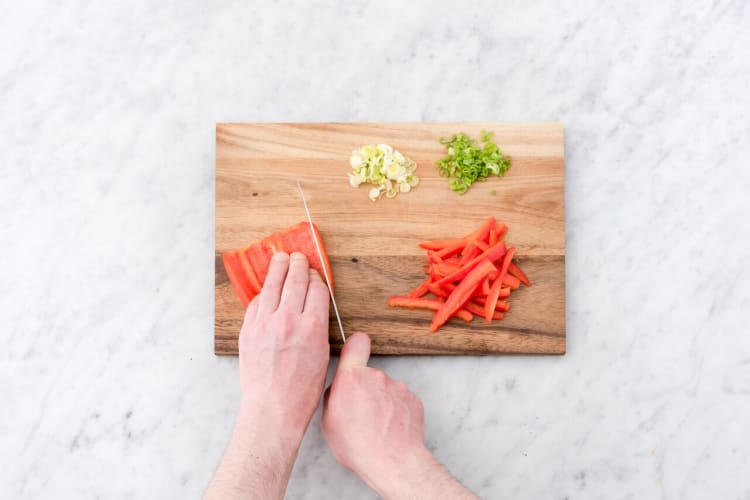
[{"x": 373, "y": 246}]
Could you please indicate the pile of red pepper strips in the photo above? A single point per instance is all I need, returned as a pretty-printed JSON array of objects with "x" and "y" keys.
[{"x": 468, "y": 276}]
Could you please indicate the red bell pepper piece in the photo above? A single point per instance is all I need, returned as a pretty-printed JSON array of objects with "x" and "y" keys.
[
  {"x": 438, "y": 291},
  {"x": 480, "y": 297},
  {"x": 500, "y": 230},
  {"x": 451, "y": 250},
  {"x": 470, "y": 252},
  {"x": 486, "y": 286},
  {"x": 480, "y": 234},
  {"x": 511, "y": 281},
  {"x": 500, "y": 306},
  {"x": 489, "y": 305},
  {"x": 462, "y": 293},
  {"x": 434, "y": 257},
  {"x": 440, "y": 244},
  {"x": 516, "y": 271},
  {"x": 239, "y": 280},
  {"x": 483, "y": 233},
  {"x": 247, "y": 268},
  {"x": 491, "y": 255},
  {"x": 482, "y": 245},
  {"x": 475, "y": 308},
  {"x": 420, "y": 290},
  {"x": 493, "y": 237},
  {"x": 446, "y": 269},
  {"x": 420, "y": 303}
]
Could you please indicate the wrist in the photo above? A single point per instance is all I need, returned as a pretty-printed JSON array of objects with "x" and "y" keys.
[
  {"x": 395, "y": 477},
  {"x": 266, "y": 436},
  {"x": 417, "y": 474},
  {"x": 258, "y": 460}
]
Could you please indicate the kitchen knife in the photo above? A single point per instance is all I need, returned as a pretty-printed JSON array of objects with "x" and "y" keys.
[{"x": 322, "y": 264}]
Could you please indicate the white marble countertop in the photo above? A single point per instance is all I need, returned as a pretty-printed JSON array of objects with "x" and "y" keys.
[{"x": 108, "y": 382}]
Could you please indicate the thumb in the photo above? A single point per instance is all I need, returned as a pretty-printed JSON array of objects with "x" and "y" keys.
[{"x": 356, "y": 351}]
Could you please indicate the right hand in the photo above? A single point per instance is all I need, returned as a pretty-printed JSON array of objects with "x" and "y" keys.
[{"x": 374, "y": 425}]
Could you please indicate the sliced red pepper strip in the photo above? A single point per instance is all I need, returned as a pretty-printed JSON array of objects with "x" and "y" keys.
[
  {"x": 500, "y": 306},
  {"x": 500, "y": 230},
  {"x": 511, "y": 281},
  {"x": 440, "y": 244},
  {"x": 434, "y": 257},
  {"x": 482, "y": 245},
  {"x": 504, "y": 292},
  {"x": 480, "y": 234},
  {"x": 238, "y": 279},
  {"x": 434, "y": 276},
  {"x": 470, "y": 254},
  {"x": 451, "y": 250},
  {"x": 438, "y": 291},
  {"x": 486, "y": 286},
  {"x": 489, "y": 305},
  {"x": 483, "y": 232},
  {"x": 492, "y": 255},
  {"x": 493, "y": 237},
  {"x": 446, "y": 269},
  {"x": 420, "y": 303},
  {"x": 421, "y": 290},
  {"x": 462, "y": 293},
  {"x": 516, "y": 271},
  {"x": 247, "y": 268},
  {"x": 475, "y": 308}
]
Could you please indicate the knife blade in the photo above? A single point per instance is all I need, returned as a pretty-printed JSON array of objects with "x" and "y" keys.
[{"x": 322, "y": 264}]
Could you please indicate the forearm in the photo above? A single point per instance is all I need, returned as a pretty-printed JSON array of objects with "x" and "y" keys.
[
  {"x": 418, "y": 476},
  {"x": 257, "y": 462}
]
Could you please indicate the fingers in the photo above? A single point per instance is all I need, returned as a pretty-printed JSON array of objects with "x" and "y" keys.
[
  {"x": 252, "y": 310},
  {"x": 317, "y": 294},
  {"x": 270, "y": 294},
  {"x": 356, "y": 352},
  {"x": 250, "y": 313},
  {"x": 295, "y": 286}
]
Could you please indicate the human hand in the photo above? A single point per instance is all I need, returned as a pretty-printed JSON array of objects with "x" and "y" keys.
[
  {"x": 374, "y": 425},
  {"x": 283, "y": 362},
  {"x": 284, "y": 348},
  {"x": 371, "y": 422}
]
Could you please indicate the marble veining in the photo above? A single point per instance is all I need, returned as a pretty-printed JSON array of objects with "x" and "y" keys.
[{"x": 107, "y": 111}]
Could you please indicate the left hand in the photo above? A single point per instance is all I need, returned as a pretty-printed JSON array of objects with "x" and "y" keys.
[{"x": 284, "y": 348}]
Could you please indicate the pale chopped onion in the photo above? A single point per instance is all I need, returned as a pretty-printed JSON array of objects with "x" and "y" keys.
[{"x": 387, "y": 169}]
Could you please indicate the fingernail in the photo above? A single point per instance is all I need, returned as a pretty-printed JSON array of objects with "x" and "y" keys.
[
  {"x": 280, "y": 256},
  {"x": 298, "y": 256}
]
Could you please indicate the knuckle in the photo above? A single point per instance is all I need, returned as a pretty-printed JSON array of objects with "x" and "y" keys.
[
  {"x": 297, "y": 278},
  {"x": 283, "y": 323},
  {"x": 379, "y": 376},
  {"x": 318, "y": 320},
  {"x": 401, "y": 387}
]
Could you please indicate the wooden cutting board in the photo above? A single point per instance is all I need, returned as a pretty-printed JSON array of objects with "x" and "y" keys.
[{"x": 373, "y": 246}]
